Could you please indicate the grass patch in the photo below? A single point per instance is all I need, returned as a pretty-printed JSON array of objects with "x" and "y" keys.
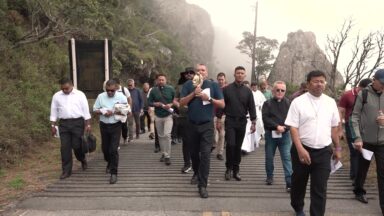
[
  {"x": 17, "y": 183},
  {"x": 2, "y": 173}
]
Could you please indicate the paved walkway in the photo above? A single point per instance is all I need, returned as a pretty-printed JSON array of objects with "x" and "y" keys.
[{"x": 147, "y": 187}]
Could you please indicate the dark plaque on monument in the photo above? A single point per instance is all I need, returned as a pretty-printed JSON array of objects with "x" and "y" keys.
[{"x": 90, "y": 62}]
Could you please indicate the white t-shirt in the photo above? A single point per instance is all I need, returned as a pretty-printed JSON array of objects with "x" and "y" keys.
[
  {"x": 126, "y": 91},
  {"x": 314, "y": 117}
]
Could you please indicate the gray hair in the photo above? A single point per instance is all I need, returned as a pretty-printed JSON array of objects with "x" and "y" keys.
[{"x": 278, "y": 82}]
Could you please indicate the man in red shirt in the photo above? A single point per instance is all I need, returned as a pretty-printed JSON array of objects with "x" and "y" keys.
[{"x": 346, "y": 103}]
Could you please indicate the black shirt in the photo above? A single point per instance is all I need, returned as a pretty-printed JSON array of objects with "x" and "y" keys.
[
  {"x": 239, "y": 102},
  {"x": 275, "y": 112}
]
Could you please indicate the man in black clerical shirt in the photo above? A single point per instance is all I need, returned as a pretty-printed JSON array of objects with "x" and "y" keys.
[{"x": 239, "y": 102}]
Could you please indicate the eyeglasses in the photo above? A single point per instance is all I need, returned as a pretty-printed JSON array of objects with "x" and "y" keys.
[
  {"x": 110, "y": 90},
  {"x": 280, "y": 90}
]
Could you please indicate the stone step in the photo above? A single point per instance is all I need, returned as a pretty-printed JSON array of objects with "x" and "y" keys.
[{"x": 140, "y": 174}]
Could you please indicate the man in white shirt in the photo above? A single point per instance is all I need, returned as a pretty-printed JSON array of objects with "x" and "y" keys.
[
  {"x": 70, "y": 106},
  {"x": 314, "y": 119}
]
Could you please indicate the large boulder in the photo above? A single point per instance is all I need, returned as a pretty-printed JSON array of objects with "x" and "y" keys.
[{"x": 299, "y": 55}]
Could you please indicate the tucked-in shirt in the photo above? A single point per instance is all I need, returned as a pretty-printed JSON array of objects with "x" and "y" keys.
[
  {"x": 164, "y": 94},
  {"x": 314, "y": 117},
  {"x": 347, "y": 101},
  {"x": 239, "y": 101},
  {"x": 105, "y": 102},
  {"x": 275, "y": 112},
  {"x": 137, "y": 100},
  {"x": 69, "y": 106},
  {"x": 197, "y": 112}
]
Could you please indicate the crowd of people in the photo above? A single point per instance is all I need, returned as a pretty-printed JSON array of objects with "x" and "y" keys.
[{"x": 229, "y": 120}]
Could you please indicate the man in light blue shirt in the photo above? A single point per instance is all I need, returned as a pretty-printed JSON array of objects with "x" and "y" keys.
[{"x": 110, "y": 128}]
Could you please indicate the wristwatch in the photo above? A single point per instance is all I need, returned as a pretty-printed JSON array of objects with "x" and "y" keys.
[{"x": 210, "y": 100}]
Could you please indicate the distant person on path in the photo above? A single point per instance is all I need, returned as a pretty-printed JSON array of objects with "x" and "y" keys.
[
  {"x": 259, "y": 99},
  {"x": 264, "y": 88},
  {"x": 251, "y": 140},
  {"x": 219, "y": 123},
  {"x": 201, "y": 99},
  {"x": 145, "y": 95},
  {"x": 124, "y": 126},
  {"x": 302, "y": 90},
  {"x": 239, "y": 102},
  {"x": 367, "y": 123},
  {"x": 110, "y": 128},
  {"x": 313, "y": 119},
  {"x": 182, "y": 118},
  {"x": 137, "y": 109},
  {"x": 70, "y": 107},
  {"x": 277, "y": 134},
  {"x": 161, "y": 97},
  {"x": 346, "y": 103}
]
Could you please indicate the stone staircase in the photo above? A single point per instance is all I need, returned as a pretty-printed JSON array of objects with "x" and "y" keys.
[{"x": 142, "y": 175}]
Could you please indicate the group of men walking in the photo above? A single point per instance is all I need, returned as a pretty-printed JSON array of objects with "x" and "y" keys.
[{"x": 310, "y": 122}]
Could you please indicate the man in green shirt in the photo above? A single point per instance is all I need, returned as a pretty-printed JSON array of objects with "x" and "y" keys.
[
  {"x": 264, "y": 88},
  {"x": 162, "y": 98}
]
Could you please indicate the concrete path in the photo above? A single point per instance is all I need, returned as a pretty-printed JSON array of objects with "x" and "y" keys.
[{"x": 147, "y": 187}]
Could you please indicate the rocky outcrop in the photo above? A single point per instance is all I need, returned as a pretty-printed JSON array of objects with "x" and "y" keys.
[
  {"x": 190, "y": 24},
  {"x": 299, "y": 55}
]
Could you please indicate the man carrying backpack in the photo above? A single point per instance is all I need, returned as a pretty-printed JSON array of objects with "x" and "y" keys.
[
  {"x": 346, "y": 102},
  {"x": 367, "y": 129},
  {"x": 124, "y": 126}
]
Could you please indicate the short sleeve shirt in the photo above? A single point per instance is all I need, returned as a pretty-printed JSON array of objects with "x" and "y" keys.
[
  {"x": 197, "y": 112},
  {"x": 314, "y": 117},
  {"x": 347, "y": 102}
]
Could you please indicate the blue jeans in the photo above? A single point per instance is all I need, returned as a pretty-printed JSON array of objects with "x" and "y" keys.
[{"x": 284, "y": 144}]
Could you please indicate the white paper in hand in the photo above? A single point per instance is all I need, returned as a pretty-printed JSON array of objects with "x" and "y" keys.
[
  {"x": 57, "y": 134},
  {"x": 367, "y": 155},
  {"x": 276, "y": 134},
  {"x": 335, "y": 165},
  {"x": 206, "y": 91}
]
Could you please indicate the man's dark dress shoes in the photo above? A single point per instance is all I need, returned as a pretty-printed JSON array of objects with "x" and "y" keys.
[
  {"x": 237, "y": 176},
  {"x": 203, "y": 192},
  {"x": 113, "y": 179}
]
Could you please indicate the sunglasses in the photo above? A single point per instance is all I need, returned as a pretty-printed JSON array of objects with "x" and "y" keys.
[
  {"x": 110, "y": 90},
  {"x": 280, "y": 90}
]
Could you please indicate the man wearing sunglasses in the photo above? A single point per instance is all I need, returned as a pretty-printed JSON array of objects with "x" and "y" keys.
[
  {"x": 110, "y": 127},
  {"x": 277, "y": 133}
]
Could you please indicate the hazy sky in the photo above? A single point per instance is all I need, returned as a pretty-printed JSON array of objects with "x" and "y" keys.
[{"x": 276, "y": 18}]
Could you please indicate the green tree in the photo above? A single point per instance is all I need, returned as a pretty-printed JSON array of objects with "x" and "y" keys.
[{"x": 263, "y": 51}]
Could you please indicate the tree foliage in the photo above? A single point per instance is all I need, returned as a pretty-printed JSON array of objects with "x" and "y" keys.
[
  {"x": 263, "y": 51},
  {"x": 33, "y": 56}
]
